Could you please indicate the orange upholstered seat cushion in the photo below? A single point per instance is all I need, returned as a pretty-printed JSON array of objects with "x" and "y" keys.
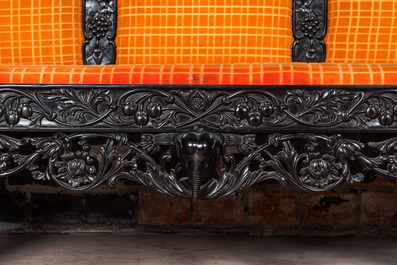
[
  {"x": 203, "y": 31},
  {"x": 41, "y": 32},
  {"x": 201, "y": 74},
  {"x": 362, "y": 31}
]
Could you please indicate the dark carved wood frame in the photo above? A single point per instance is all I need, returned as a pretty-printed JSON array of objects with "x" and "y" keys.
[
  {"x": 309, "y": 27},
  {"x": 198, "y": 142},
  {"x": 99, "y": 28}
]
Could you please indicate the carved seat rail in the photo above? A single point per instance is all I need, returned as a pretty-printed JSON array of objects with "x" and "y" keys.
[{"x": 197, "y": 142}]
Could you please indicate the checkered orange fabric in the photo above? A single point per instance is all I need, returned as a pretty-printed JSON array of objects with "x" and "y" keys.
[
  {"x": 204, "y": 31},
  {"x": 362, "y": 31},
  {"x": 220, "y": 74},
  {"x": 41, "y": 32}
]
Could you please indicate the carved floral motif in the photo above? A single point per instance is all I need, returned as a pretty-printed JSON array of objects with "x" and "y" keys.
[
  {"x": 76, "y": 168},
  {"x": 100, "y": 31},
  {"x": 189, "y": 108},
  {"x": 309, "y": 30},
  {"x": 188, "y": 165},
  {"x": 320, "y": 171}
]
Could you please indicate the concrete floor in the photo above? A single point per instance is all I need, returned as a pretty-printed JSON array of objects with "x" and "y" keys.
[{"x": 107, "y": 249}]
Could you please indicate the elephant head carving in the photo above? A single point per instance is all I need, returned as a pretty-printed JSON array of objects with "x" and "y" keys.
[{"x": 199, "y": 154}]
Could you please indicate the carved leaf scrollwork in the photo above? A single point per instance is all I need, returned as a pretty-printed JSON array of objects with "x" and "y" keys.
[
  {"x": 79, "y": 105},
  {"x": 320, "y": 105},
  {"x": 310, "y": 25},
  {"x": 309, "y": 161},
  {"x": 100, "y": 31},
  {"x": 212, "y": 109}
]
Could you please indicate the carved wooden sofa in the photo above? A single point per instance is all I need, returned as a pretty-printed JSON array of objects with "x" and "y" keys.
[{"x": 198, "y": 99}]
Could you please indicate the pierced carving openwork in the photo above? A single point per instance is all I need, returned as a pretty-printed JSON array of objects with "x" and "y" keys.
[
  {"x": 196, "y": 142},
  {"x": 196, "y": 165}
]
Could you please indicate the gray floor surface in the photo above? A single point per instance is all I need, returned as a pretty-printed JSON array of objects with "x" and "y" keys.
[{"x": 155, "y": 249}]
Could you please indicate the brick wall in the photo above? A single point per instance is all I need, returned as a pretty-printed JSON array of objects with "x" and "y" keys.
[{"x": 368, "y": 208}]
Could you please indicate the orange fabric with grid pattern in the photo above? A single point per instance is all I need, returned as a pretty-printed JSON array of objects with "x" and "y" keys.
[
  {"x": 362, "y": 31},
  {"x": 38, "y": 32},
  {"x": 203, "y": 31},
  {"x": 232, "y": 74}
]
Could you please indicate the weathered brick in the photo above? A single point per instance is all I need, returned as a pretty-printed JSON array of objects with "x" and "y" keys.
[
  {"x": 225, "y": 211},
  {"x": 279, "y": 209},
  {"x": 56, "y": 209},
  {"x": 160, "y": 209},
  {"x": 12, "y": 207},
  {"x": 378, "y": 209},
  {"x": 332, "y": 209},
  {"x": 110, "y": 209}
]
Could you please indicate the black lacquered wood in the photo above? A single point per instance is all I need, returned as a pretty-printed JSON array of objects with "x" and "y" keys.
[
  {"x": 99, "y": 27},
  {"x": 309, "y": 27},
  {"x": 198, "y": 164},
  {"x": 198, "y": 142},
  {"x": 150, "y": 108}
]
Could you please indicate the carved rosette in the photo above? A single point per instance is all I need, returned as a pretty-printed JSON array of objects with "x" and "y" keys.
[
  {"x": 309, "y": 26},
  {"x": 197, "y": 165},
  {"x": 140, "y": 108},
  {"x": 99, "y": 29}
]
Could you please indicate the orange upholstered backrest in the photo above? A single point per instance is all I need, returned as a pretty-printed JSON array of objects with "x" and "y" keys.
[
  {"x": 49, "y": 32},
  {"x": 41, "y": 32},
  {"x": 204, "y": 31},
  {"x": 362, "y": 31}
]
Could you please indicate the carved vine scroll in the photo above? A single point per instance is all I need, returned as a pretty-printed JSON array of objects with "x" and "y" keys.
[
  {"x": 309, "y": 26},
  {"x": 99, "y": 26},
  {"x": 218, "y": 108},
  {"x": 196, "y": 165}
]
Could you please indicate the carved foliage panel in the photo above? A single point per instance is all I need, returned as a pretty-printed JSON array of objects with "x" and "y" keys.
[
  {"x": 251, "y": 108},
  {"x": 99, "y": 26},
  {"x": 310, "y": 26},
  {"x": 197, "y": 165}
]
